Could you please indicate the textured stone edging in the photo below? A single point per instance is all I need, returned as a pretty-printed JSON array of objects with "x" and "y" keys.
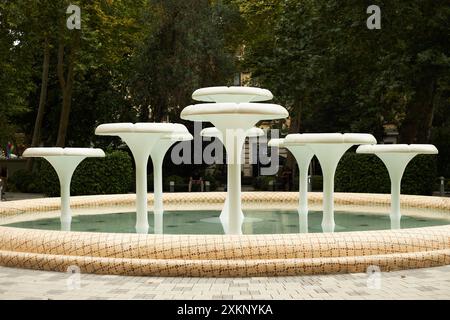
[
  {"x": 216, "y": 247},
  {"x": 225, "y": 268}
]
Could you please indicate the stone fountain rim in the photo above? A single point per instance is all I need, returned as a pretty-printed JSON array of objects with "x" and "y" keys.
[{"x": 223, "y": 255}]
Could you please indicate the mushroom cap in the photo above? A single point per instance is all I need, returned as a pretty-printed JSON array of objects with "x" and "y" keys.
[
  {"x": 56, "y": 151},
  {"x": 112, "y": 129},
  {"x": 329, "y": 138},
  {"x": 232, "y": 94},
  {"x": 276, "y": 143},
  {"x": 398, "y": 148},
  {"x": 206, "y": 111}
]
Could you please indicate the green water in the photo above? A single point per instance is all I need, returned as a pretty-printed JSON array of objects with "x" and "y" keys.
[{"x": 199, "y": 222}]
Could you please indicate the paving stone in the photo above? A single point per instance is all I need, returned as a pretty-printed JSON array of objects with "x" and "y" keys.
[{"x": 431, "y": 283}]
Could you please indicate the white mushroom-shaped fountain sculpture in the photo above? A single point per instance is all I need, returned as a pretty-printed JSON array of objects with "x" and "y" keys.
[
  {"x": 64, "y": 161},
  {"x": 303, "y": 156},
  {"x": 396, "y": 157},
  {"x": 329, "y": 148},
  {"x": 157, "y": 154},
  {"x": 213, "y": 132},
  {"x": 233, "y": 115},
  {"x": 141, "y": 138}
]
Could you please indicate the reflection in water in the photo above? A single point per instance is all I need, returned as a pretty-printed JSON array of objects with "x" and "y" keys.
[
  {"x": 395, "y": 223},
  {"x": 208, "y": 222},
  {"x": 247, "y": 226},
  {"x": 158, "y": 223},
  {"x": 65, "y": 225},
  {"x": 303, "y": 222}
]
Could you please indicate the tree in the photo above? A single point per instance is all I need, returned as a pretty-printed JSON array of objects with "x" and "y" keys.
[{"x": 184, "y": 49}]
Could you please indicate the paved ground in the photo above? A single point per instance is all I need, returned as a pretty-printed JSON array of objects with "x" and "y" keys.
[{"x": 432, "y": 283}]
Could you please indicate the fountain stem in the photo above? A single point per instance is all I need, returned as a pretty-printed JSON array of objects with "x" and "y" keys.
[
  {"x": 141, "y": 193},
  {"x": 303, "y": 156},
  {"x": 158, "y": 183},
  {"x": 396, "y": 165},
  {"x": 329, "y": 156},
  {"x": 140, "y": 148},
  {"x": 232, "y": 216},
  {"x": 65, "y": 167}
]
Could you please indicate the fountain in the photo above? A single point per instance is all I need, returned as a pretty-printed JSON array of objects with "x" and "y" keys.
[
  {"x": 303, "y": 156},
  {"x": 64, "y": 161},
  {"x": 193, "y": 247},
  {"x": 233, "y": 115},
  {"x": 396, "y": 157},
  {"x": 215, "y": 133},
  {"x": 141, "y": 138},
  {"x": 329, "y": 148}
]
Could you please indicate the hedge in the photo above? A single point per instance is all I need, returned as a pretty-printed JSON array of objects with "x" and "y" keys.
[
  {"x": 24, "y": 181},
  {"x": 367, "y": 173},
  {"x": 110, "y": 175}
]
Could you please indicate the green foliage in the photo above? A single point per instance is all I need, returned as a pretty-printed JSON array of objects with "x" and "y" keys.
[
  {"x": 264, "y": 183},
  {"x": 25, "y": 181},
  {"x": 367, "y": 174},
  {"x": 316, "y": 183},
  {"x": 335, "y": 75},
  {"x": 180, "y": 183},
  {"x": 441, "y": 139},
  {"x": 184, "y": 48},
  {"x": 213, "y": 183},
  {"x": 110, "y": 175}
]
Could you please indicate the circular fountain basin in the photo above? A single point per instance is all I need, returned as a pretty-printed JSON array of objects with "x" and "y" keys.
[{"x": 270, "y": 246}]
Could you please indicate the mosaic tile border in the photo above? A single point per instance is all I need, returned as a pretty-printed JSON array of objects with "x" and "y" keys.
[{"x": 224, "y": 255}]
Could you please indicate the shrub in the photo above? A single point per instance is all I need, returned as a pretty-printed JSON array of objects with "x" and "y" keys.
[
  {"x": 212, "y": 182},
  {"x": 180, "y": 183},
  {"x": 25, "y": 181},
  {"x": 110, "y": 175},
  {"x": 316, "y": 182},
  {"x": 367, "y": 173},
  {"x": 263, "y": 183}
]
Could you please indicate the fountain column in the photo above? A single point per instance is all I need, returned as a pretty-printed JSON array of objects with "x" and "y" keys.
[
  {"x": 141, "y": 138},
  {"x": 233, "y": 115},
  {"x": 303, "y": 156},
  {"x": 157, "y": 154},
  {"x": 396, "y": 157},
  {"x": 64, "y": 161},
  {"x": 329, "y": 148},
  {"x": 214, "y": 132}
]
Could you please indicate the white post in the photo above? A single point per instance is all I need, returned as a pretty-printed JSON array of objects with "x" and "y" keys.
[
  {"x": 396, "y": 164},
  {"x": 65, "y": 167},
  {"x": 329, "y": 156},
  {"x": 141, "y": 192},
  {"x": 158, "y": 223},
  {"x": 303, "y": 156},
  {"x": 157, "y": 184},
  {"x": 232, "y": 216},
  {"x": 140, "y": 146}
]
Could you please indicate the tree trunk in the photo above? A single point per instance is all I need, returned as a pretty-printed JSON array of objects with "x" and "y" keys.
[
  {"x": 66, "y": 88},
  {"x": 295, "y": 125},
  {"x": 42, "y": 100},
  {"x": 419, "y": 114}
]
